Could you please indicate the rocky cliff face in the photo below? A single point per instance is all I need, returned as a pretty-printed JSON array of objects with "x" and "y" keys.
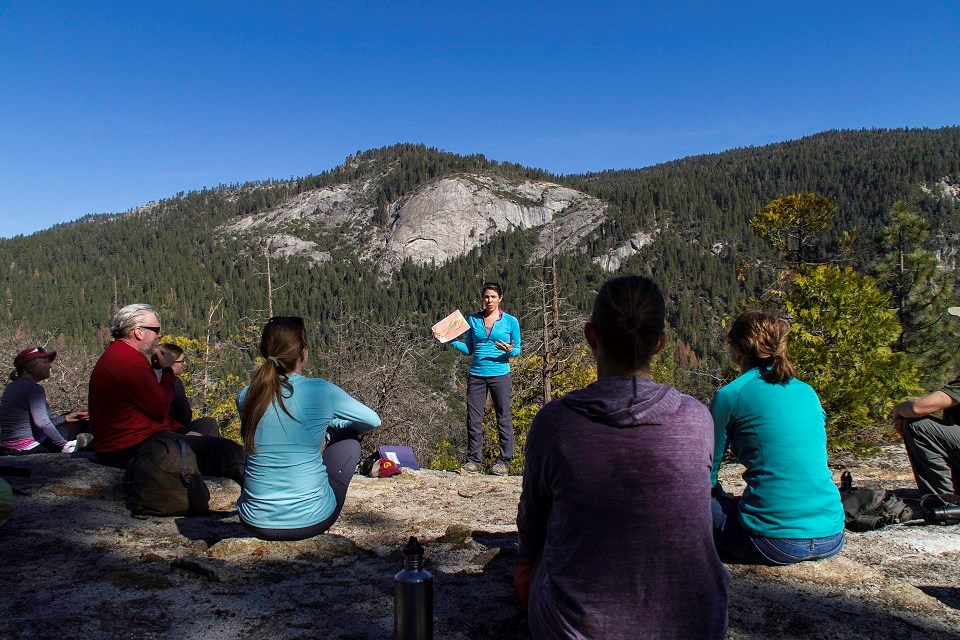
[{"x": 441, "y": 221}]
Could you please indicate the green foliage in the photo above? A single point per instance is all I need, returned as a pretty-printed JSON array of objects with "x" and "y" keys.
[
  {"x": 840, "y": 343},
  {"x": 444, "y": 457},
  {"x": 578, "y": 372},
  {"x": 793, "y": 224},
  {"x": 172, "y": 253},
  {"x": 921, "y": 292},
  {"x": 216, "y": 399},
  {"x": 675, "y": 365}
]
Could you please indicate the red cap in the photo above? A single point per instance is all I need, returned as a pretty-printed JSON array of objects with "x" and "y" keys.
[
  {"x": 32, "y": 353},
  {"x": 383, "y": 468}
]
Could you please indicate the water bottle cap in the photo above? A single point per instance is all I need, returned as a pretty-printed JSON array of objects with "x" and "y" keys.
[{"x": 413, "y": 547}]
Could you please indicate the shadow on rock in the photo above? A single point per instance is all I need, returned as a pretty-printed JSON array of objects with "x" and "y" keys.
[
  {"x": 950, "y": 596},
  {"x": 212, "y": 527}
]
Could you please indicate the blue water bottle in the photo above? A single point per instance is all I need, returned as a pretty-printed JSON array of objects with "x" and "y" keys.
[{"x": 413, "y": 596}]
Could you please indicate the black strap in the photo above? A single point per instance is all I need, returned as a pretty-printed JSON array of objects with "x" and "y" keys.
[{"x": 183, "y": 462}]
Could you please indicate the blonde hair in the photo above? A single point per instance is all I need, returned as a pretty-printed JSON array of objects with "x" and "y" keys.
[{"x": 761, "y": 338}]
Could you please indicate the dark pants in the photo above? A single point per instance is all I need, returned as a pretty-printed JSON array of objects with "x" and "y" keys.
[
  {"x": 70, "y": 430},
  {"x": 501, "y": 391},
  {"x": 934, "y": 450},
  {"x": 203, "y": 426},
  {"x": 340, "y": 458},
  {"x": 215, "y": 456}
]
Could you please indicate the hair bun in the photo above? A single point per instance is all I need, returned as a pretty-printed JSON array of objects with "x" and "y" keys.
[{"x": 631, "y": 320}]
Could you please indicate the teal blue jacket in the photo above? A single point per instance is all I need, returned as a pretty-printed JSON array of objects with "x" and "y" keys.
[
  {"x": 489, "y": 361},
  {"x": 777, "y": 432},
  {"x": 285, "y": 483}
]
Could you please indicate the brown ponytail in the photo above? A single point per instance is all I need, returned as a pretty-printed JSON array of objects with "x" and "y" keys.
[
  {"x": 761, "y": 338},
  {"x": 281, "y": 344},
  {"x": 629, "y": 315}
]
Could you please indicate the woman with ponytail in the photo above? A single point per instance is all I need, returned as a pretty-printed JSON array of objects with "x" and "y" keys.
[
  {"x": 774, "y": 424},
  {"x": 293, "y": 487},
  {"x": 614, "y": 519}
]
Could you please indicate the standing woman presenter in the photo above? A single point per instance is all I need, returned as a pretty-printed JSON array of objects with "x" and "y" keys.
[{"x": 492, "y": 339}]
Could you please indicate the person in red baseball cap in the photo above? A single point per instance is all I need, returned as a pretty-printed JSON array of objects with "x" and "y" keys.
[{"x": 26, "y": 423}]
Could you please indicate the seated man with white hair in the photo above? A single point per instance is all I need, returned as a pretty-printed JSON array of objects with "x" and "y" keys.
[{"x": 128, "y": 408}]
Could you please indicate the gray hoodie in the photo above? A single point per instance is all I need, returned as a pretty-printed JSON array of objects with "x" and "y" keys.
[{"x": 615, "y": 512}]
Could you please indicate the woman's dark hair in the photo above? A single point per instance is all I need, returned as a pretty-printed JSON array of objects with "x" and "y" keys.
[
  {"x": 281, "y": 344},
  {"x": 494, "y": 286},
  {"x": 761, "y": 338},
  {"x": 628, "y": 316}
]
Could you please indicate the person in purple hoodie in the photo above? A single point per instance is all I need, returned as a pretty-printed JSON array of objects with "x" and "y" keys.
[{"x": 614, "y": 522}]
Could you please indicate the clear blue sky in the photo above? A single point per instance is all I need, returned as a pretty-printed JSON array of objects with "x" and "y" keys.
[{"x": 107, "y": 105}]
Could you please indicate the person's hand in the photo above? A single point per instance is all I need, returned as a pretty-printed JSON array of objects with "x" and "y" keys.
[
  {"x": 163, "y": 359},
  {"x": 506, "y": 347},
  {"x": 899, "y": 422},
  {"x": 77, "y": 416},
  {"x": 522, "y": 576}
]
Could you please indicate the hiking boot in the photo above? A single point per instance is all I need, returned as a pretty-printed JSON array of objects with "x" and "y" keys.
[
  {"x": 470, "y": 468},
  {"x": 500, "y": 469},
  {"x": 84, "y": 440}
]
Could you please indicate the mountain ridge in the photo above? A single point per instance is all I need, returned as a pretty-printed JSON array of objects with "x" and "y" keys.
[{"x": 683, "y": 223}]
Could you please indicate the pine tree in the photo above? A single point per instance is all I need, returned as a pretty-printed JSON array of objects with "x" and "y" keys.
[{"x": 921, "y": 293}]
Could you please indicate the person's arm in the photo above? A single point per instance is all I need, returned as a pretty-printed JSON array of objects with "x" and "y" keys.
[
  {"x": 722, "y": 413},
  {"x": 515, "y": 338},
  {"x": 180, "y": 409},
  {"x": 152, "y": 399},
  {"x": 40, "y": 417},
  {"x": 350, "y": 412},
  {"x": 535, "y": 500},
  {"x": 920, "y": 407},
  {"x": 532, "y": 512},
  {"x": 466, "y": 345},
  {"x": 73, "y": 416}
]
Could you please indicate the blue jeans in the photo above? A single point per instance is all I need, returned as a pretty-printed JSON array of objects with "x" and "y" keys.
[{"x": 733, "y": 540}]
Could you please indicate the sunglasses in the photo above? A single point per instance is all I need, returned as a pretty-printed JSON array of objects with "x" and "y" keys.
[{"x": 156, "y": 330}]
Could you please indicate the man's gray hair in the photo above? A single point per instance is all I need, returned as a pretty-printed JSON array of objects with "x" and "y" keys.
[{"x": 127, "y": 318}]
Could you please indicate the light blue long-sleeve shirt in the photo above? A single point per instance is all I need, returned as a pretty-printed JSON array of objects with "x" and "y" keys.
[
  {"x": 489, "y": 361},
  {"x": 777, "y": 432},
  {"x": 285, "y": 484}
]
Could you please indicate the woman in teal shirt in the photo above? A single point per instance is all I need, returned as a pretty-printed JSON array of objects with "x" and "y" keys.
[
  {"x": 774, "y": 425},
  {"x": 492, "y": 339},
  {"x": 292, "y": 491}
]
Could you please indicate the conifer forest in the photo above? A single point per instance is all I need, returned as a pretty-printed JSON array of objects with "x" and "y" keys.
[{"x": 851, "y": 234}]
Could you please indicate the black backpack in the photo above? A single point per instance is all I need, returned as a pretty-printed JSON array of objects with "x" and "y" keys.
[
  {"x": 872, "y": 508},
  {"x": 162, "y": 479}
]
